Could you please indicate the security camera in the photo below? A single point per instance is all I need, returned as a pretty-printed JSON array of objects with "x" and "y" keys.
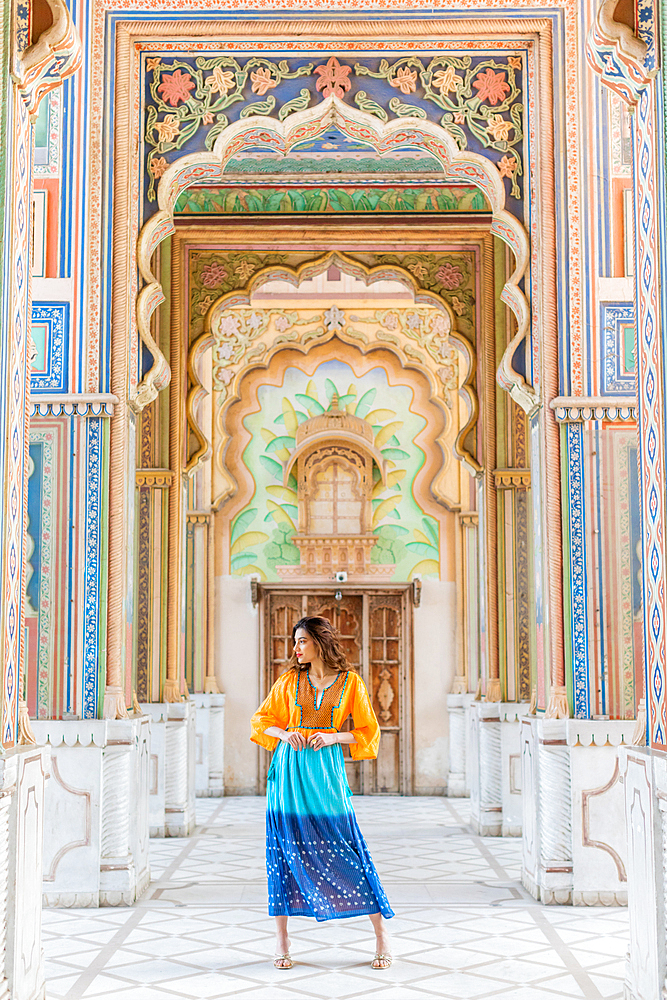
[{"x": 341, "y": 577}]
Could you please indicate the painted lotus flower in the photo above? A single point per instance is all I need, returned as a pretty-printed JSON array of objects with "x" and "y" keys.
[
  {"x": 220, "y": 81},
  {"x": 440, "y": 325},
  {"x": 262, "y": 81},
  {"x": 168, "y": 129},
  {"x": 405, "y": 79},
  {"x": 213, "y": 275},
  {"x": 176, "y": 87},
  {"x": 333, "y": 78},
  {"x": 491, "y": 86},
  {"x": 499, "y": 127},
  {"x": 507, "y": 166},
  {"x": 157, "y": 166},
  {"x": 244, "y": 269},
  {"x": 446, "y": 79},
  {"x": 449, "y": 276}
]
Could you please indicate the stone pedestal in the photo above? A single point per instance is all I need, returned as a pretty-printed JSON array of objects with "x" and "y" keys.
[
  {"x": 486, "y": 805},
  {"x": 510, "y": 767},
  {"x": 457, "y": 786},
  {"x": 172, "y": 768},
  {"x": 573, "y": 836},
  {"x": 210, "y": 735},
  {"x": 96, "y": 814},
  {"x": 23, "y": 772}
]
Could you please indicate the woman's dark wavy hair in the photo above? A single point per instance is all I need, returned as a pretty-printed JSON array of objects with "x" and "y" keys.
[{"x": 327, "y": 639}]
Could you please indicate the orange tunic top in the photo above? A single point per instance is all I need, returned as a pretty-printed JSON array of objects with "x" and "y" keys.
[{"x": 291, "y": 705}]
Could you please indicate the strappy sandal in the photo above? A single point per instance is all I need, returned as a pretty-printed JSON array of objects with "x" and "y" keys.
[
  {"x": 283, "y": 958},
  {"x": 382, "y": 958}
]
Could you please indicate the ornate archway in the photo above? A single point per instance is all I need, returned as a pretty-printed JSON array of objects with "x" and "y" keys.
[{"x": 282, "y": 136}]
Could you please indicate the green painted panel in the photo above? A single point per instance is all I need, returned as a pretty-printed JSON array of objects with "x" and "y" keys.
[{"x": 236, "y": 200}]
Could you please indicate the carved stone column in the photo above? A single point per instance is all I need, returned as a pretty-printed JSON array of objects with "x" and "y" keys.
[
  {"x": 485, "y": 791},
  {"x": 173, "y": 763},
  {"x": 554, "y": 799}
]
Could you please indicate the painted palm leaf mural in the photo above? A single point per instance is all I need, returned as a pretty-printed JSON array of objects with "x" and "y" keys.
[{"x": 262, "y": 534}]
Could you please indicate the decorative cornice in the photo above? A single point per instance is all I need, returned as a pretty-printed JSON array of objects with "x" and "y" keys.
[
  {"x": 624, "y": 61},
  {"x": 199, "y": 516},
  {"x": 156, "y": 478},
  {"x": 512, "y": 479},
  {"x": 573, "y": 409},
  {"x": 469, "y": 518},
  {"x": 81, "y": 404}
]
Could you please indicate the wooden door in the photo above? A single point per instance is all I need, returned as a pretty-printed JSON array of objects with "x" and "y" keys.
[
  {"x": 347, "y": 616},
  {"x": 375, "y": 632},
  {"x": 387, "y": 690}
]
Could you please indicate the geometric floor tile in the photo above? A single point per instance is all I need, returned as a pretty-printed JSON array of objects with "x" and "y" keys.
[{"x": 465, "y": 929}]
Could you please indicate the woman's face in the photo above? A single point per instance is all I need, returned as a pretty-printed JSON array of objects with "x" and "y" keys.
[{"x": 304, "y": 647}]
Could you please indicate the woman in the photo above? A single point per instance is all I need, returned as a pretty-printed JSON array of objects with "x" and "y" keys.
[{"x": 317, "y": 861}]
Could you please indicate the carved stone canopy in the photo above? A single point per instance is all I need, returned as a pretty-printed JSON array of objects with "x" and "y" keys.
[{"x": 341, "y": 426}]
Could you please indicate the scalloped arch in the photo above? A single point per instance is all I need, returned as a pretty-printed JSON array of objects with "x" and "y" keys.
[
  {"x": 295, "y": 276},
  {"x": 458, "y": 164}
]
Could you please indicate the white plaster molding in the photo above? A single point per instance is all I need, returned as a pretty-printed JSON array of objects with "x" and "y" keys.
[
  {"x": 616, "y": 289},
  {"x": 573, "y": 409},
  {"x": 52, "y": 289},
  {"x": 80, "y": 404},
  {"x": 173, "y": 744}
]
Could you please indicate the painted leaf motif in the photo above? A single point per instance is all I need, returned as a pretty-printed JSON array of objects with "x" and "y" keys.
[
  {"x": 395, "y": 453},
  {"x": 242, "y": 559},
  {"x": 245, "y": 518},
  {"x": 268, "y": 435},
  {"x": 284, "y": 441},
  {"x": 365, "y": 403},
  {"x": 395, "y": 477},
  {"x": 422, "y": 549},
  {"x": 432, "y": 530},
  {"x": 280, "y": 515},
  {"x": 387, "y": 432},
  {"x": 391, "y": 531},
  {"x": 311, "y": 404},
  {"x": 421, "y": 537},
  {"x": 272, "y": 466},
  {"x": 247, "y": 539},
  {"x": 383, "y": 509},
  {"x": 282, "y": 492},
  {"x": 311, "y": 390},
  {"x": 377, "y": 416},
  {"x": 344, "y": 401},
  {"x": 330, "y": 389},
  {"x": 291, "y": 423},
  {"x": 426, "y": 567}
]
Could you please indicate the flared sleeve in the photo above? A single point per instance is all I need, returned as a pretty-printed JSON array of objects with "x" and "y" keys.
[
  {"x": 366, "y": 727},
  {"x": 274, "y": 711}
]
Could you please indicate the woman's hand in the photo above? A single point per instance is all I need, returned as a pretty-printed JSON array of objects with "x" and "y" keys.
[
  {"x": 296, "y": 740},
  {"x": 319, "y": 740}
]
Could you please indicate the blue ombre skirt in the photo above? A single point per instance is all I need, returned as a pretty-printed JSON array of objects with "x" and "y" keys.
[{"x": 317, "y": 861}]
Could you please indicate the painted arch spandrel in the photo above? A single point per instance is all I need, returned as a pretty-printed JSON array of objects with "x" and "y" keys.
[{"x": 262, "y": 533}]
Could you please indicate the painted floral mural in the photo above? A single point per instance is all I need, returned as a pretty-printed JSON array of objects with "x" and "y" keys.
[{"x": 262, "y": 534}]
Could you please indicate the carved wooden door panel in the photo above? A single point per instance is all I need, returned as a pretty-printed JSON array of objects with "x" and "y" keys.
[
  {"x": 347, "y": 616},
  {"x": 386, "y": 685},
  {"x": 284, "y": 612}
]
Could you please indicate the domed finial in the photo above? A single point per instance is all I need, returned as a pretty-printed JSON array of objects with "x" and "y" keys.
[{"x": 333, "y": 406}]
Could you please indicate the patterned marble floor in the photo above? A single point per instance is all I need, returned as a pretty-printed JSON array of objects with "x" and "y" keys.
[{"x": 464, "y": 927}]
